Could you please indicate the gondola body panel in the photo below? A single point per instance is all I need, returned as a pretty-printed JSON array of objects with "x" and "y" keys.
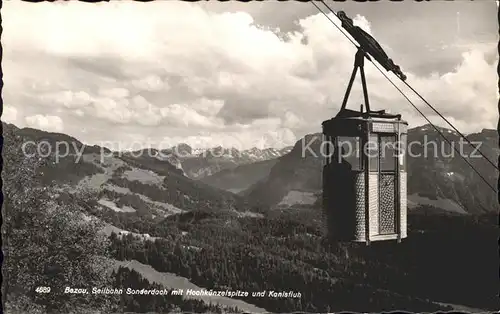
[{"x": 364, "y": 178}]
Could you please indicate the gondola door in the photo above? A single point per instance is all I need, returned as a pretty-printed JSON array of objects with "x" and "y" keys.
[{"x": 387, "y": 184}]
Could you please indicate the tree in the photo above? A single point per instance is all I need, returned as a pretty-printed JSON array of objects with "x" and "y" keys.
[{"x": 47, "y": 243}]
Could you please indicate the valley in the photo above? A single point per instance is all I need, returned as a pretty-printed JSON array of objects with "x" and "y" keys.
[{"x": 159, "y": 227}]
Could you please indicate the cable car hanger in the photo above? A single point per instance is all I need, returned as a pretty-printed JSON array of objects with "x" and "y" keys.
[{"x": 368, "y": 46}]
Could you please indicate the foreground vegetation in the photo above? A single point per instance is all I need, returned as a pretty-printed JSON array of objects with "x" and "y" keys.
[
  {"x": 52, "y": 242},
  {"x": 282, "y": 254}
]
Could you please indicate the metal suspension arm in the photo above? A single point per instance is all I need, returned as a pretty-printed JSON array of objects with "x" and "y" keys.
[{"x": 359, "y": 63}]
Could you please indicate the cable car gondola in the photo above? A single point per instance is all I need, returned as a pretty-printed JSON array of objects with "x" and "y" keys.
[{"x": 364, "y": 174}]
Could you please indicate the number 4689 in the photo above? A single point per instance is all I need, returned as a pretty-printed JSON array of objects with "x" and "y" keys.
[{"x": 42, "y": 289}]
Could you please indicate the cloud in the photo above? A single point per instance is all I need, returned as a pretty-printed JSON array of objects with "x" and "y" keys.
[
  {"x": 151, "y": 83},
  {"x": 172, "y": 70},
  {"x": 45, "y": 122},
  {"x": 9, "y": 114},
  {"x": 116, "y": 92}
]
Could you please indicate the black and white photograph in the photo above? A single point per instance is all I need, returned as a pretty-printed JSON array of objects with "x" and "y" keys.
[{"x": 250, "y": 157}]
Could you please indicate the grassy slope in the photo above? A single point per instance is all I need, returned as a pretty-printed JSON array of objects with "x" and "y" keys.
[{"x": 172, "y": 281}]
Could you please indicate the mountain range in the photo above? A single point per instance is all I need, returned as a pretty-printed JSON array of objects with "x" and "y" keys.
[
  {"x": 121, "y": 181},
  {"x": 201, "y": 163},
  {"x": 267, "y": 235},
  {"x": 436, "y": 177},
  {"x": 185, "y": 177}
]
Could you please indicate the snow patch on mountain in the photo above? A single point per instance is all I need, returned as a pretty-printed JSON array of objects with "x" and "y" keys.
[{"x": 198, "y": 164}]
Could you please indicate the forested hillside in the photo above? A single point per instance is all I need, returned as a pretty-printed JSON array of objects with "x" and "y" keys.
[
  {"x": 54, "y": 237},
  {"x": 52, "y": 240},
  {"x": 256, "y": 254}
]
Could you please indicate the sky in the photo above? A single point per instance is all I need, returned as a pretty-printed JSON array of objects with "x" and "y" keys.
[{"x": 263, "y": 74}]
